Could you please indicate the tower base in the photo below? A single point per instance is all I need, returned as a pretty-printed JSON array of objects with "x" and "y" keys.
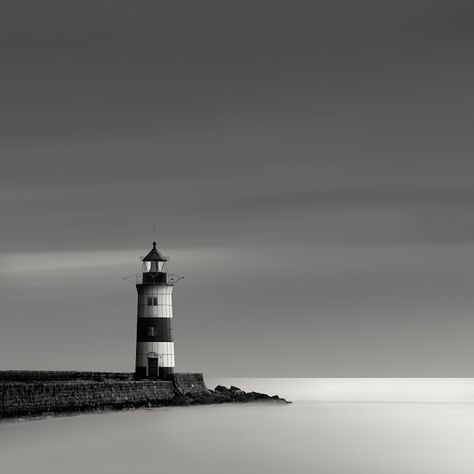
[{"x": 164, "y": 373}]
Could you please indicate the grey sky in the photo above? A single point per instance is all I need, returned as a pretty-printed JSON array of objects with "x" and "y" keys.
[{"x": 308, "y": 166}]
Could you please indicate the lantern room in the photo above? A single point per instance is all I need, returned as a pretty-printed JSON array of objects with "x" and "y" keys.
[{"x": 154, "y": 262}]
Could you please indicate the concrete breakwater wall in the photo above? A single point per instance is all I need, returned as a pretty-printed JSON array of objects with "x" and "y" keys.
[
  {"x": 27, "y": 393},
  {"x": 189, "y": 383},
  {"x": 20, "y": 399}
]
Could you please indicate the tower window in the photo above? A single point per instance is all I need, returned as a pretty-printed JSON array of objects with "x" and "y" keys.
[
  {"x": 150, "y": 331},
  {"x": 153, "y": 301}
]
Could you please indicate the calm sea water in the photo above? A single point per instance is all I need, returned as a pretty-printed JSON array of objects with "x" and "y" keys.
[{"x": 353, "y": 426}]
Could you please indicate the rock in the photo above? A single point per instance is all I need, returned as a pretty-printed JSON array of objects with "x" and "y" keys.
[
  {"x": 222, "y": 397},
  {"x": 202, "y": 401},
  {"x": 181, "y": 400},
  {"x": 240, "y": 396},
  {"x": 221, "y": 388},
  {"x": 235, "y": 389}
]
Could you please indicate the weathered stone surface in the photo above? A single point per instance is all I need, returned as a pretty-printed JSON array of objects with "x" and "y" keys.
[
  {"x": 19, "y": 399},
  {"x": 190, "y": 383}
]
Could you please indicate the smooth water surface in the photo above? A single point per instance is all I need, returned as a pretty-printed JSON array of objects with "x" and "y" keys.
[{"x": 366, "y": 426}]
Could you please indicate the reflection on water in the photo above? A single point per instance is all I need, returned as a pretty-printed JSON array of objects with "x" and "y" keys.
[{"x": 324, "y": 431}]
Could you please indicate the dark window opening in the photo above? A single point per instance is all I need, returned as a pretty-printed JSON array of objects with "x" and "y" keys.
[
  {"x": 153, "y": 301},
  {"x": 150, "y": 331},
  {"x": 152, "y": 367}
]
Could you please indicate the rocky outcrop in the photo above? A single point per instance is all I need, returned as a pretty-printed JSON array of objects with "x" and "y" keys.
[{"x": 222, "y": 394}]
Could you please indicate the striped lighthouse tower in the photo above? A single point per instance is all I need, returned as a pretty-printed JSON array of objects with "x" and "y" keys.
[{"x": 155, "y": 347}]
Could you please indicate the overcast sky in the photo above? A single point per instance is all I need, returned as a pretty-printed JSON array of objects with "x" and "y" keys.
[{"x": 308, "y": 166}]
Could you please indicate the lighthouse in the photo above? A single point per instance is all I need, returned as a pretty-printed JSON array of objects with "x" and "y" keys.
[{"x": 155, "y": 347}]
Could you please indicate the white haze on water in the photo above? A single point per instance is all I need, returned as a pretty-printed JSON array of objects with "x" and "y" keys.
[{"x": 334, "y": 426}]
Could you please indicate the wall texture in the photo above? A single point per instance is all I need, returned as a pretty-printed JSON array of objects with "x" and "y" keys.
[
  {"x": 190, "y": 383},
  {"x": 26, "y": 393},
  {"x": 18, "y": 399}
]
